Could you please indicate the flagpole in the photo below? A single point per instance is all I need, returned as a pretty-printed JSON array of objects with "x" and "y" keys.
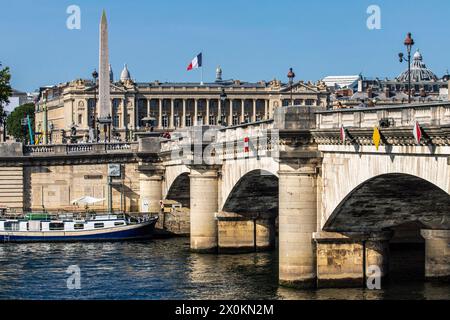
[{"x": 201, "y": 75}]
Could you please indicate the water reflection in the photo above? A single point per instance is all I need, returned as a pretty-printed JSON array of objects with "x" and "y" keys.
[{"x": 164, "y": 269}]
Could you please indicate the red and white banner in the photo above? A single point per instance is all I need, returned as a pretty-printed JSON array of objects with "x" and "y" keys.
[
  {"x": 246, "y": 144},
  {"x": 417, "y": 132}
]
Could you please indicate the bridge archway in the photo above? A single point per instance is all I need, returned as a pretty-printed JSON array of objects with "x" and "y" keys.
[
  {"x": 248, "y": 219},
  {"x": 389, "y": 200},
  {"x": 401, "y": 206},
  {"x": 180, "y": 190}
]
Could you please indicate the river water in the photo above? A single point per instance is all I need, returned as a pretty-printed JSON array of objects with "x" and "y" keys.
[{"x": 164, "y": 269}]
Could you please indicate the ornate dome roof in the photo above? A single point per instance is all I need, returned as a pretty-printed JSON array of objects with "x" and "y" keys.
[
  {"x": 125, "y": 74},
  {"x": 419, "y": 71}
]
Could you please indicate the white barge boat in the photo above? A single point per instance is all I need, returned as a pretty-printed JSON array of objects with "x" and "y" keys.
[{"x": 35, "y": 227}]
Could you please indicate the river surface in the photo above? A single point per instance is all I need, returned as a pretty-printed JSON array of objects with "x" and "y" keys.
[{"x": 164, "y": 269}]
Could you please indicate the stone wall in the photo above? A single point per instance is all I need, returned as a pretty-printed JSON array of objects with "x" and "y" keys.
[
  {"x": 54, "y": 187},
  {"x": 11, "y": 188}
]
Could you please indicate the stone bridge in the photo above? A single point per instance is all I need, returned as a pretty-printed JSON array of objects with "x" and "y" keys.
[{"x": 340, "y": 208}]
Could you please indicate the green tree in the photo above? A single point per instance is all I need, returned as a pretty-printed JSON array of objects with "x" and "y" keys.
[
  {"x": 5, "y": 93},
  {"x": 14, "y": 121}
]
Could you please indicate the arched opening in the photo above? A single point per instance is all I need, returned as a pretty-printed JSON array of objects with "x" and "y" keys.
[
  {"x": 248, "y": 221},
  {"x": 179, "y": 190},
  {"x": 176, "y": 213},
  {"x": 402, "y": 206}
]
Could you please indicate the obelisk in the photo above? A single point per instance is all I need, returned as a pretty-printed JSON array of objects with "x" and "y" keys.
[{"x": 103, "y": 79}]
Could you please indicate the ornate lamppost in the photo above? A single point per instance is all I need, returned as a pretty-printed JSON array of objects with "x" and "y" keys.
[
  {"x": 94, "y": 126},
  {"x": 291, "y": 76},
  {"x": 409, "y": 42}
]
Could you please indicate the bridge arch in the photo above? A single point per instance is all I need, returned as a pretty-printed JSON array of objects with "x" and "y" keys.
[
  {"x": 172, "y": 173},
  {"x": 389, "y": 200},
  {"x": 256, "y": 192},
  {"x": 342, "y": 173},
  {"x": 409, "y": 215},
  {"x": 248, "y": 219},
  {"x": 180, "y": 190},
  {"x": 234, "y": 171}
]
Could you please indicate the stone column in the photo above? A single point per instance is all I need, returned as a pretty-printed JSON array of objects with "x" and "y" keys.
[
  {"x": 172, "y": 122},
  {"x": 124, "y": 112},
  {"x": 147, "y": 101},
  {"x": 219, "y": 112},
  {"x": 208, "y": 105},
  {"x": 297, "y": 223},
  {"x": 204, "y": 206},
  {"x": 437, "y": 254},
  {"x": 160, "y": 113},
  {"x": 86, "y": 114},
  {"x": 150, "y": 185},
  {"x": 266, "y": 109},
  {"x": 242, "y": 117},
  {"x": 183, "y": 117},
  {"x": 377, "y": 252},
  {"x": 195, "y": 112},
  {"x": 230, "y": 121},
  {"x": 254, "y": 110}
]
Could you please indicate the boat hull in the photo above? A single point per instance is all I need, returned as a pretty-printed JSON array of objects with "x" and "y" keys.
[{"x": 140, "y": 231}]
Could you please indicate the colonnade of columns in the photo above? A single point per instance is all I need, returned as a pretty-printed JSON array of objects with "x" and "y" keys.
[{"x": 171, "y": 113}]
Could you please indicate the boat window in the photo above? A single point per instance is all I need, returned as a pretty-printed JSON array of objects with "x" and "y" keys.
[
  {"x": 99, "y": 225},
  {"x": 11, "y": 226},
  {"x": 56, "y": 226},
  {"x": 119, "y": 223},
  {"x": 78, "y": 226}
]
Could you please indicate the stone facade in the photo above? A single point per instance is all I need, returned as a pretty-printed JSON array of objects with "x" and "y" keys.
[{"x": 136, "y": 107}]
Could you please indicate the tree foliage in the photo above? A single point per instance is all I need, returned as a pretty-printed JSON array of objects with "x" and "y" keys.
[
  {"x": 5, "y": 90},
  {"x": 14, "y": 121}
]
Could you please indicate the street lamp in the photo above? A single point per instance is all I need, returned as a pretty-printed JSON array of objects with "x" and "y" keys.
[
  {"x": 109, "y": 128},
  {"x": 94, "y": 128},
  {"x": 409, "y": 42},
  {"x": 223, "y": 98},
  {"x": 291, "y": 76}
]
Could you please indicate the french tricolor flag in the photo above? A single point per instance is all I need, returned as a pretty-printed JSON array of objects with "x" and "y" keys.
[{"x": 196, "y": 62}]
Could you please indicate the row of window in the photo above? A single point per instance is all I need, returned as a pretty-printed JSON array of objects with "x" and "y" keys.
[
  {"x": 56, "y": 226},
  {"x": 236, "y": 119}
]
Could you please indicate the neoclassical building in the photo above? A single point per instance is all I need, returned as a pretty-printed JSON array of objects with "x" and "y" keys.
[{"x": 139, "y": 107}]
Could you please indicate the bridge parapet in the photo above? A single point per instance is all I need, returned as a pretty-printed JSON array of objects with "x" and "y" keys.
[
  {"x": 82, "y": 148},
  {"x": 429, "y": 114}
]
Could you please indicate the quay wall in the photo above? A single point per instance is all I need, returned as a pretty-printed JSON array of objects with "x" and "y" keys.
[{"x": 53, "y": 188}]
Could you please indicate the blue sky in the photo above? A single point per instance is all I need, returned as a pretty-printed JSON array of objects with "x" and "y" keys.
[{"x": 252, "y": 39}]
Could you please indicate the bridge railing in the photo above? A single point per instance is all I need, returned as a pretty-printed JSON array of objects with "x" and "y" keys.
[
  {"x": 80, "y": 148},
  {"x": 429, "y": 114}
]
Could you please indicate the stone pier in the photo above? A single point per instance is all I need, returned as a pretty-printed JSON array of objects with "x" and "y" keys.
[
  {"x": 150, "y": 179},
  {"x": 298, "y": 221},
  {"x": 344, "y": 260},
  {"x": 204, "y": 205},
  {"x": 240, "y": 234},
  {"x": 437, "y": 254}
]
